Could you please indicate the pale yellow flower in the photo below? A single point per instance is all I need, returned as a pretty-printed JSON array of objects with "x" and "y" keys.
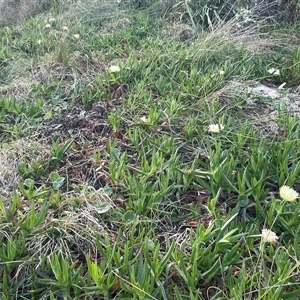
[
  {"x": 288, "y": 194},
  {"x": 221, "y": 72},
  {"x": 65, "y": 28},
  {"x": 114, "y": 69},
  {"x": 269, "y": 236},
  {"x": 47, "y": 25},
  {"x": 39, "y": 41},
  {"x": 76, "y": 36},
  {"x": 215, "y": 127}
]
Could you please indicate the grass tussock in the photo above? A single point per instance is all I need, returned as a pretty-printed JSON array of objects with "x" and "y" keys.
[{"x": 12, "y": 12}]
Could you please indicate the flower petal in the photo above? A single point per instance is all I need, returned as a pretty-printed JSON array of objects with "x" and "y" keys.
[
  {"x": 288, "y": 194},
  {"x": 269, "y": 236},
  {"x": 215, "y": 127},
  {"x": 114, "y": 69}
]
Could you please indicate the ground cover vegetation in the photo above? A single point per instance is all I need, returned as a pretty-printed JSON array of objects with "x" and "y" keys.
[{"x": 138, "y": 161}]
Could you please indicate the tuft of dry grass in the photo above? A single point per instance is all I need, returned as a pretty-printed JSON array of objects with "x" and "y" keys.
[
  {"x": 179, "y": 31},
  {"x": 226, "y": 37},
  {"x": 12, "y": 11},
  {"x": 72, "y": 227},
  {"x": 94, "y": 10},
  {"x": 11, "y": 156}
]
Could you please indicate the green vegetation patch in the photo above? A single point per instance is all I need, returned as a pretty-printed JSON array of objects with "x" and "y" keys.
[{"x": 148, "y": 156}]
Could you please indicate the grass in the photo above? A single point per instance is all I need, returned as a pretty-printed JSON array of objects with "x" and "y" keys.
[{"x": 155, "y": 178}]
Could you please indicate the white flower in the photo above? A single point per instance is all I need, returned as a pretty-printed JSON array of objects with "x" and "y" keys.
[
  {"x": 215, "y": 127},
  {"x": 76, "y": 36},
  {"x": 288, "y": 194},
  {"x": 114, "y": 69},
  {"x": 269, "y": 236},
  {"x": 65, "y": 28},
  {"x": 47, "y": 25},
  {"x": 222, "y": 72},
  {"x": 273, "y": 71},
  {"x": 52, "y": 20}
]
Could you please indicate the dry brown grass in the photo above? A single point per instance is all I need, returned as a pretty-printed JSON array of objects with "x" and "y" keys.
[
  {"x": 226, "y": 38},
  {"x": 11, "y": 156},
  {"x": 15, "y": 11}
]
